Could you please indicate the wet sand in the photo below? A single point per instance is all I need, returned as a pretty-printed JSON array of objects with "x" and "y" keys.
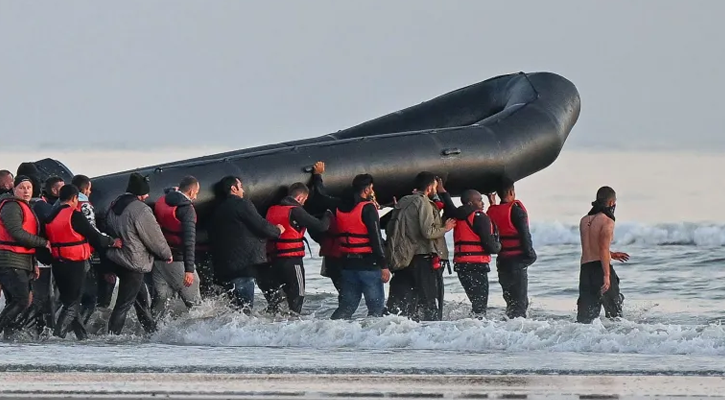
[{"x": 297, "y": 386}]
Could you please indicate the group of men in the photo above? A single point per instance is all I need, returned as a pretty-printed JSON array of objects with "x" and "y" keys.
[
  {"x": 52, "y": 243},
  {"x": 355, "y": 256},
  {"x": 52, "y": 250}
]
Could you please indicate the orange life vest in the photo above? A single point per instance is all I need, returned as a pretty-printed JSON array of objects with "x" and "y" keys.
[
  {"x": 30, "y": 225},
  {"x": 353, "y": 235},
  {"x": 291, "y": 242},
  {"x": 330, "y": 246},
  {"x": 467, "y": 243},
  {"x": 500, "y": 215},
  {"x": 168, "y": 221},
  {"x": 65, "y": 242}
]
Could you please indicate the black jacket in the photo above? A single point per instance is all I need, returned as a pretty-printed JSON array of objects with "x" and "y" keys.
[
  {"x": 371, "y": 219},
  {"x": 319, "y": 199},
  {"x": 238, "y": 238},
  {"x": 482, "y": 227},
  {"x": 42, "y": 208},
  {"x": 519, "y": 219},
  {"x": 299, "y": 218},
  {"x": 186, "y": 213},
  {"x": 80, "y": 224}
]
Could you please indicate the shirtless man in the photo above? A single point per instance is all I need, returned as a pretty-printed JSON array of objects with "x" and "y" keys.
[{"x": 598, "y": 283}]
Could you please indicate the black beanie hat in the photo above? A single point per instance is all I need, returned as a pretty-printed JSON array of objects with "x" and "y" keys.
[
  {"x": 22, "y": 178},
  {"x": 29, "y": 170},
  {"x": 138, "y": 184}
]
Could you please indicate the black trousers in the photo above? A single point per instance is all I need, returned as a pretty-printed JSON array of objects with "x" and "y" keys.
[
  {"x": 514, "y": 279},
  {"x": 287, "y": 274},
  {"x": 70, "y": 278},
  {"x": 16, "y": 288},
  {"x": 415, "y": 291},
  {"x": 590, "y": 302},
  {"x": 97, "y": 292},
  {"x": 41, "y": 312},
  {"x": 132, "y": 292},
  {"x": 474, "y": 279},
  {"x": 333, "y": 270}
]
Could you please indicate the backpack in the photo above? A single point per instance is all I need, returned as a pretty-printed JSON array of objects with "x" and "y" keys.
[{"x": 399, "y": 250}]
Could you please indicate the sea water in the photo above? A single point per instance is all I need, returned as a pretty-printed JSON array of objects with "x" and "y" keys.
[{"x": 669, "y": 220}]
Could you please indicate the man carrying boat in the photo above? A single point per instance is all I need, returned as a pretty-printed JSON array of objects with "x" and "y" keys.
[
  {"x": 517, "y": 251},
  {"x": 286, "y": 252},
  {"x": 475, "y": 238},
  {"x": 415, "y": 247},
  {"x": 176, "y": 215},
  {"x": 71, "y": 237},
  {"x": 238, "y": 237},
  {"x": 363, "y": 269}
]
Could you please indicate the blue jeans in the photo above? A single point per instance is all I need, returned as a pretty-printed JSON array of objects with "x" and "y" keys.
[
  {"x": 355, "y": 284},
  {"x": 242, "y": 293}
]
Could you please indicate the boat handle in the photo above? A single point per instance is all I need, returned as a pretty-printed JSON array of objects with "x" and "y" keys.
[{"x": 452, "y": 151}]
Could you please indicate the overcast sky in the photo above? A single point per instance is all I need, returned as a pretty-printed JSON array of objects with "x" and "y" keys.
[{"x": 89, "y": 73}]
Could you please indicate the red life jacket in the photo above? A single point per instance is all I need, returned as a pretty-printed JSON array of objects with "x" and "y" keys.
[
  {"x": 330, "y": 247},
  {"x": 291, "y": 242},
  {"x": 65, "y": 242},
  {"x": 30, "y": 225},
  {"x": 467, "y": 243},
  {"x": 500, "y": 215},
  {"x": 353, "y": 236},
  {"x": 168, "y": 221}
]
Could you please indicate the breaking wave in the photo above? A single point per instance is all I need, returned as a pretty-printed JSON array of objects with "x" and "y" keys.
[
  {"x": 685, "y": 234},
  {"x": 462, "y": 335}
]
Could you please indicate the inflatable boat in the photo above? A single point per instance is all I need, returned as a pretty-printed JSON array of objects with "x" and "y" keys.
[{"x": 509, "y": 126}]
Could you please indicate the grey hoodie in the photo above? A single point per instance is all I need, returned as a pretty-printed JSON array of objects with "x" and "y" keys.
[{"x": 133, "y": 221}]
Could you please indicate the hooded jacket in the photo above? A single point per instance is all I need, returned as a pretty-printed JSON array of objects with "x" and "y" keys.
[
  {"x": 186, "y": 213},
  {"x": 132, "y": 220}
]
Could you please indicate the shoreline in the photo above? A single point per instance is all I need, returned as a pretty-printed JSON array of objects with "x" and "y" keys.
[{"x": 233, "y": 386}]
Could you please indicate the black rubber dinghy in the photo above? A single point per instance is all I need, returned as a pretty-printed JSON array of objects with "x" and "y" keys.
[{"x": 508, "y": 126}]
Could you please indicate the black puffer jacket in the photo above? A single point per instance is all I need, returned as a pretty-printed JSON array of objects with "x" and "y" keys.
[
  {"x": 238, "y": 237},
  {"x": 186, "y": 213},
  {"x": 11, "y": 216}
]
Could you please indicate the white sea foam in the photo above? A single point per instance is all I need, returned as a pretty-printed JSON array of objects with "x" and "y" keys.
[{"x": 467, "y": 335}]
